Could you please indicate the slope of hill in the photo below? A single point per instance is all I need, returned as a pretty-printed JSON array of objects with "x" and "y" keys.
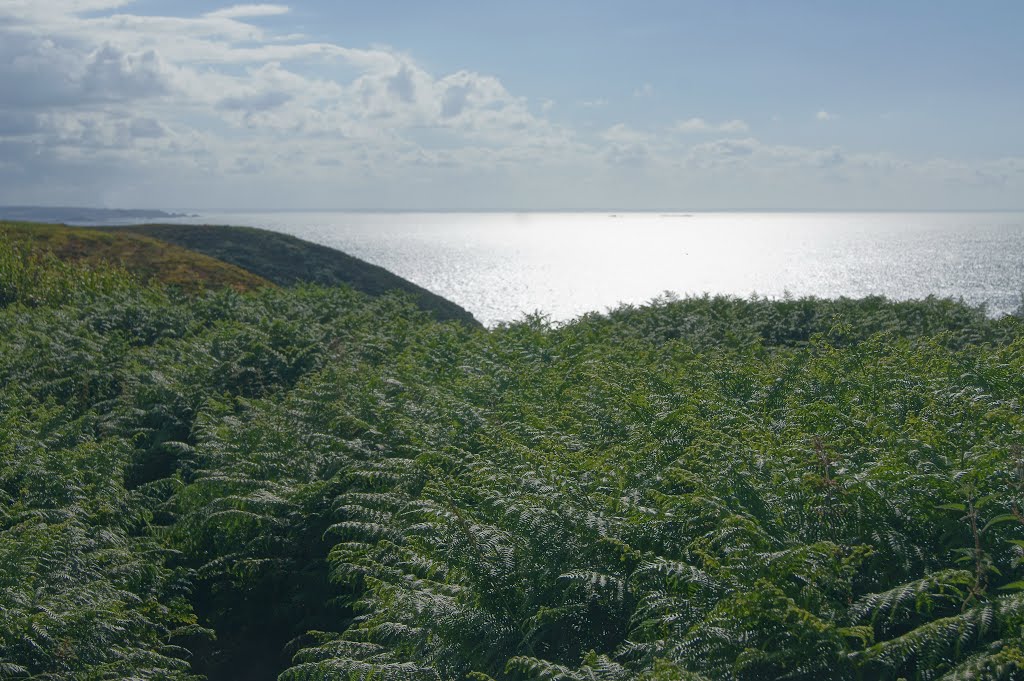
[
  {"x": 286, "y": 260},
  {"x": 146, "y": 257}
]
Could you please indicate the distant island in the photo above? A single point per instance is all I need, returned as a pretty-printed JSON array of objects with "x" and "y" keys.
[{"x": 75, "y": 214}]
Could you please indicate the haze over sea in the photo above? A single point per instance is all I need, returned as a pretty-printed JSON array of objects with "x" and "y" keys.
[{"x": 500, "y": 266}]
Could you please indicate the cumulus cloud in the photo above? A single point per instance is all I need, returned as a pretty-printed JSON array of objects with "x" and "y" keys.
[
  {"x": 454, "y": 100},
  {"x": 147, "y": 128},
  {"x": 823, "y": 115},
  {"x": 218, "y": 109},
  {"x": 627, "y": 155},
  {"x": 80, "y": 75},
  {"x": 113, "y": 74},
  {"x": 257, "y": 101},
  {"x": 29, "y": 10},
  {"x": 692, "y": 125}
]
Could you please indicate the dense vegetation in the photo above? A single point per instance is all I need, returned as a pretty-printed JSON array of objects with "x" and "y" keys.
[{"x": 317, "y": 484}]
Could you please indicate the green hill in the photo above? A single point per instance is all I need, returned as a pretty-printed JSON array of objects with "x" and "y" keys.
[
  {"x": 286, "y": 260},
  {"x": 147, "y": 258}
]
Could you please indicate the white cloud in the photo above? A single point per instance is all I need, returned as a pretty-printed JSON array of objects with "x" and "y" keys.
[
  {"x": 620, "y": 132},
  {"x": 111, "y": 73},
  {"x": 693, "y": 125},
  {"x": 248, "y": 11},
  {"x": 733, "y": 126},
  {"x": 187, "y": 63},
  {"x": 699, "y": 125},
  {"x": 214, "y": 109},
  {"x": 823, "y": 115},
  {"x": 379, "y": 124},
  {"x": 31, "y": 9}
]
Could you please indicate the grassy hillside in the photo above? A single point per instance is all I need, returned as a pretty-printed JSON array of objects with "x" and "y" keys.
[
  {"x": 313, "y": 484},
  {"x": 148, "y": 258},
  {"x": 286, "y": 260}
]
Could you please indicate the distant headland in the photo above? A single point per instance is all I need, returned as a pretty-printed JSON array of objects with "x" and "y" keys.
[{"x": 74, "y": 214}]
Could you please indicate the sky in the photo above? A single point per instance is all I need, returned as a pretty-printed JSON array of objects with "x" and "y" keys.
[{"x": 513, "y": 106}]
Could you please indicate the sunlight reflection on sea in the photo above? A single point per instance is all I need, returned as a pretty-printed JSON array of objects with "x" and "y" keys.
[{"x": 502, "y": 265}]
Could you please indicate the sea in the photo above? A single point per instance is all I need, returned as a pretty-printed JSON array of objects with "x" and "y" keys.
[{"x": 502, "y": 266}]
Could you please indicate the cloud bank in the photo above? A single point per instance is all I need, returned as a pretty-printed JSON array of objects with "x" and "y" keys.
[{"x": 103, "y": 106}]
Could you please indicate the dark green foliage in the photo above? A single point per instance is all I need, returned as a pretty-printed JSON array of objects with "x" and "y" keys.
[
  {"x": 316, "y": 484},
  {"x": 82, "y": 594}
]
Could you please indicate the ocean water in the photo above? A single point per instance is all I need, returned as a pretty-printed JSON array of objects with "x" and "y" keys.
[{"x": 500, "y": 266}]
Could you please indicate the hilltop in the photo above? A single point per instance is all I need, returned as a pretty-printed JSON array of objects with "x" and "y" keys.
[
  {"x": 242, "y": 258},
  {"x": 145, "y": 257},
  {"x": 287, "y": 260}
]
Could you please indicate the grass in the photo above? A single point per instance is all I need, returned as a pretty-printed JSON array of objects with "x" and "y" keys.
[{"x": 146, "y": 257}]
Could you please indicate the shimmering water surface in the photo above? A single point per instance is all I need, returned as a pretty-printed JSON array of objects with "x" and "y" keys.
[{"x": 502, "y": 265}]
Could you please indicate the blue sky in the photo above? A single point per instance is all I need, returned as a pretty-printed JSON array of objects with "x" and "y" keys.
[{"x": 569, "y": 105}]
